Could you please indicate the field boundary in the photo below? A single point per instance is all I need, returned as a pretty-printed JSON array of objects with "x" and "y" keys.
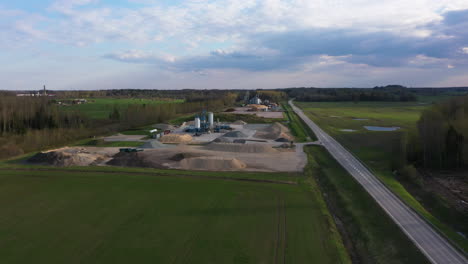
[{"x": 157, "y": 175}]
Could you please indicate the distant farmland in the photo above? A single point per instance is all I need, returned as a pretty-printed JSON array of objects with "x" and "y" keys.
[{"x": 100, "y": 108}]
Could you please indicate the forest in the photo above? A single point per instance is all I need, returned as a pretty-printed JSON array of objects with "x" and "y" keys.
[
  {"x": 388, "y": 93},
  {"x": 441, "y": 137},
  {"x": 33, "y": 123}
]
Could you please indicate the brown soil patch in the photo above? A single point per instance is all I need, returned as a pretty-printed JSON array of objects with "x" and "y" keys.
[
  {"x": 212, "y": 163},
  {"x": 185, "y": 155},
  {"x": 245, "y": 148},
  {"x": 64, "y": 159},
  {"x": 138, "y": 159}
]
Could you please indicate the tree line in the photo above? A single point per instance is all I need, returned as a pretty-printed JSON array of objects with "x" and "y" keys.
[
  {"x": 441, "y": 137},
  {"x": 386, "y": 93}
]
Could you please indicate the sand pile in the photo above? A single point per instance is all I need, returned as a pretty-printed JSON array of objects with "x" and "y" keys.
[
  {"x": 64, "y": 159},
  {"x": 164, "y": 126},
  {"x": 176, "y": 138},
  {"x": 243, "y": 148},
  {"x": 274, "y": 131},
  {"x": 212, "y": 163},
  {"x": 223, "y": 140},
  {"x": 138, "y": 159},
  {"x": 239, "y": 122},
  {"x": 236, "y": 134}
]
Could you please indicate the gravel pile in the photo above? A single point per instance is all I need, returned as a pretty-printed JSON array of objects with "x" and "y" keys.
[
  {"x": 243, "y": 148},
  {"x": 274, "y": 131},
  {"x": 212, "y": 163},
  {"x": 235, "y": 134}
]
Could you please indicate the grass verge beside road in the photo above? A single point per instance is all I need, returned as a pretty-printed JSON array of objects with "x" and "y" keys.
[
  {"x": 368, "y": 231},
  {"x": 300, "y": 131},
  {"x": 375, "y": 148}
]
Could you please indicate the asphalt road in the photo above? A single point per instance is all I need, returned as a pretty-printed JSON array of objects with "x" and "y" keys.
[{"x": 436, "y": 248}]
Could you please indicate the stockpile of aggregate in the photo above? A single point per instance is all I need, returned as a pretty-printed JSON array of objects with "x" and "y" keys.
[
  {"x": 65, "y": 159},
  {"x": 223, "y": 140},
  {"x": 212, "y": 164},
  {"x": 135, "y": 159},
  {"x": 242, "y": 148},
  {"x": 185, "y": 155},
  {"x": 235, "y": 134},
  {"x": 176, "y": 138},
  {"x": 274, "y": 131}
]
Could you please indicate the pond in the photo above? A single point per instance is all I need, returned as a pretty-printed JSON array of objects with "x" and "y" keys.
[
  {"x": 378, "y": 128},
  {"x": 348, "y": 130},
  {"x": 360, "y": 119}
]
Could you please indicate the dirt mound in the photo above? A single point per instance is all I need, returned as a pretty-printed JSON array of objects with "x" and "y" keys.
[
  {"x": 274, "y": 131},
  {"x": 236, "y": 134},
  {"x": 64, "y": 159},
  {"x": 223, "y": 140},
  {"x": 138, "y": 159},
  {"x": 236, "y": 147},
  {"x": 239, "y": 122},
  {"x": 185, "y": 155},
  {"x": 212, "y": 163},
  {"x": 176, "y": 138},
  {"x": 164, "y": 126}
]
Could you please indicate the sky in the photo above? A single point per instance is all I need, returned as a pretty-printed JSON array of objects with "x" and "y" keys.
[{"x": 232, "y": 44}]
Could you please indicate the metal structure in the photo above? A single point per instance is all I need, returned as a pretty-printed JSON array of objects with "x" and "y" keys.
[
  {"x": 203, "y": 123},
  {"x": 211, "y": 119}
]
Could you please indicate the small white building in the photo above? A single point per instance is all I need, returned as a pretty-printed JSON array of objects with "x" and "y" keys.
[{"x": 255, "y": 100}]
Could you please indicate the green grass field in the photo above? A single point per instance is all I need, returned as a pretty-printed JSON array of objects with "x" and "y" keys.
[
  {"x": 372, "y": 235},
  {"x": 300, "y": 131},
  {"x": 100, "y": 108},
  {"x": 375, "y": 148},
  {"x": 135, "y": 215}
]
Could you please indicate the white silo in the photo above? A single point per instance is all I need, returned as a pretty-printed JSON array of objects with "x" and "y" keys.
[
  {"x": 197, "y": 122},
  {"x": 211, "y": 119}
]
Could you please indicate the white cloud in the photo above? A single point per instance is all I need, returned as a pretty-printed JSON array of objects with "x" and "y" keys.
[
  {"x": 426, "y": 61},
  {"x": 234, "y": 20},
  {"x": 142, "y": 57},
  {"x": 375, "y": 34}
]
